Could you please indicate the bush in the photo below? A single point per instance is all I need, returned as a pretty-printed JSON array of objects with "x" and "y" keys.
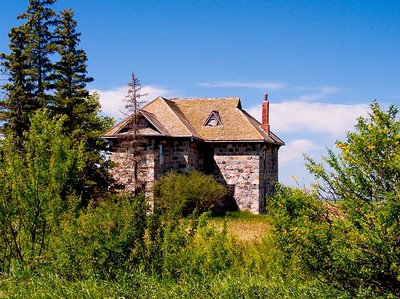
[
  {"x": 106, "y": 239},
  {"x": 317, "y": 241},
  {"x": 35, "y": 189},
  {"x": 300, "y": 229},
  {"x": 365, "y": 178},
  {"x": 183, "y": 194}
]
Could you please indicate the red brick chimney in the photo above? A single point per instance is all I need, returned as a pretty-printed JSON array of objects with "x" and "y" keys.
[{"x": 265, "y": 114}]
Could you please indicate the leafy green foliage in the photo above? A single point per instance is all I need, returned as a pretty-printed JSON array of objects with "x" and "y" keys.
[
  {"x": 301, "y": 229},
  {"x": 182, "y": 194},
  {"x": 365, "y": 176},
  {"x": 346, "y": 231},
  {"x": 316, "y": 239},
  {"x": 368, "y": 166},
  {"x": 35, "y": 189},
  {"x": 87, "y": 126},
  {"x": 105, "y": 239},
  {"x": 46, "y": 69},
  {"x": 197, "y": 260}
]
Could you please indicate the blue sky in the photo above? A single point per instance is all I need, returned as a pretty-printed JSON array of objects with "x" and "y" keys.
[{"x": 321, "y": 62}]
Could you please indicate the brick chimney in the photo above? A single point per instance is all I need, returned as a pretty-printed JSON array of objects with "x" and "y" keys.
[{"x": 265, "y": 114}]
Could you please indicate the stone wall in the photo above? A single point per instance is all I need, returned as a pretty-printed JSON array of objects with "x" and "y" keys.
[
  {"x": 180, "y": 155},
  {"x": 237, "y": 165},
  {"x": 123, "y": 172},
  {"x": 157, "y": 158},
  {"x": 268, "y": 173},
  {"x": 250, "y": 170}
]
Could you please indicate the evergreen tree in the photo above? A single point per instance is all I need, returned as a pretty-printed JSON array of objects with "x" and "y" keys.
[
  {"x": 46, "y": 68},
  {"x": 70, "y": 71},
  {"x": 81, "y": 109},
  {"x": 40, "y": 19},
  {"x": 95, "y": 178},
  {"x": 18, "y": 103},
  {"x": 28, "y": 66}
]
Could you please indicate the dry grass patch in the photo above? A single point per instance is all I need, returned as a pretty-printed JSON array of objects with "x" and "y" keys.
[{"x": 243, "y": 225}]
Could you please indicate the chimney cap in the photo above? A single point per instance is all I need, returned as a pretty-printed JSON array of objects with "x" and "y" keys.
[{"x": 266, "y": 97}]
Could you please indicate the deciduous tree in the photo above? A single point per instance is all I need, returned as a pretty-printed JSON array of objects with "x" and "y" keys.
[
  {"x": 364, "y": 177},
  {"x": 35, "y": 188}
]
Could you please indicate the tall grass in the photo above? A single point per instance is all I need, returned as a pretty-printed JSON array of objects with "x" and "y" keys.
[
  {"x": 140, "y": 285},
  {"x": 207, "y": 261}
]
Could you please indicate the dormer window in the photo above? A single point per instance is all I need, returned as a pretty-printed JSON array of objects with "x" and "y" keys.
[{"x": 213, "y": 119}]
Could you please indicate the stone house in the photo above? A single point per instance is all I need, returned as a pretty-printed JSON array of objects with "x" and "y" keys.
[{"x": 213, "y": 135}]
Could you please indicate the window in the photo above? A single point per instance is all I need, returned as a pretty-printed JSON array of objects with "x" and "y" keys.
[
  {"x": 213, "y": 119},
  {"x": 161, "y": 149}
]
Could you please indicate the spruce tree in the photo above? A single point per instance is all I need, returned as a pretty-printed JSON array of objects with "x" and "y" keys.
[
  {"x": 70, "y": 71},
  {"x": 40, "y": 20},
  {"x": 72, "y": 99},
  {"x": 28, "y": 67},
  {"x": 46, "y": 68},
  {"x": 18, "y": 103}
]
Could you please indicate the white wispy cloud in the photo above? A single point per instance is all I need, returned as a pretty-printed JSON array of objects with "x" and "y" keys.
[
  {"x": 112, "y": 100},
  {"x": 315, "y": 93},
  {"x": 245, "y": 84},
  {"x": 312, "y": 117},
  {"x": 295, "y": 150}
]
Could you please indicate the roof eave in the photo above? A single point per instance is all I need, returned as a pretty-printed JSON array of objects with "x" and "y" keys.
[{"x": 243, "y": 141}]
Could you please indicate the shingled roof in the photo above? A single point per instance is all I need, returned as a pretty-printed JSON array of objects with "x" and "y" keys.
[{"x": 187, "y": 118}]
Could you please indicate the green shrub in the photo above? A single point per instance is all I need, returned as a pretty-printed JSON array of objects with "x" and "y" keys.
[
  {"x": 107, "y": 238},
  {"x": 317, "y": 242},
  {"x": 213, "y": 252},
  {"x": 35, "y": 189},
  {"x": 364, "y": 176},
  {"x": 299, "y": 228},
  {"x": 182, "y": 194}
]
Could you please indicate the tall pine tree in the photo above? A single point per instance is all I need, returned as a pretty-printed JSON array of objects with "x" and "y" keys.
[
  {"x": 40, "y": 19},
  {"x": 28, "y": 66},
  {"x": 72, "y": 99},
  {"x": 18, "y": 103},
  {"x": 70, "y": 71},
  {"x": 46, "y": 68}
]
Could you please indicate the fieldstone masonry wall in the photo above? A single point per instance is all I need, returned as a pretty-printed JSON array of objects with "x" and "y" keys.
[
  {"x": 123, "y": 173},
  {"x": 250, "y": 169},
  {"x": 178, "y": 155},
  {"x": 237, "y": 165},
  {"x": 268, "y": 173}
]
